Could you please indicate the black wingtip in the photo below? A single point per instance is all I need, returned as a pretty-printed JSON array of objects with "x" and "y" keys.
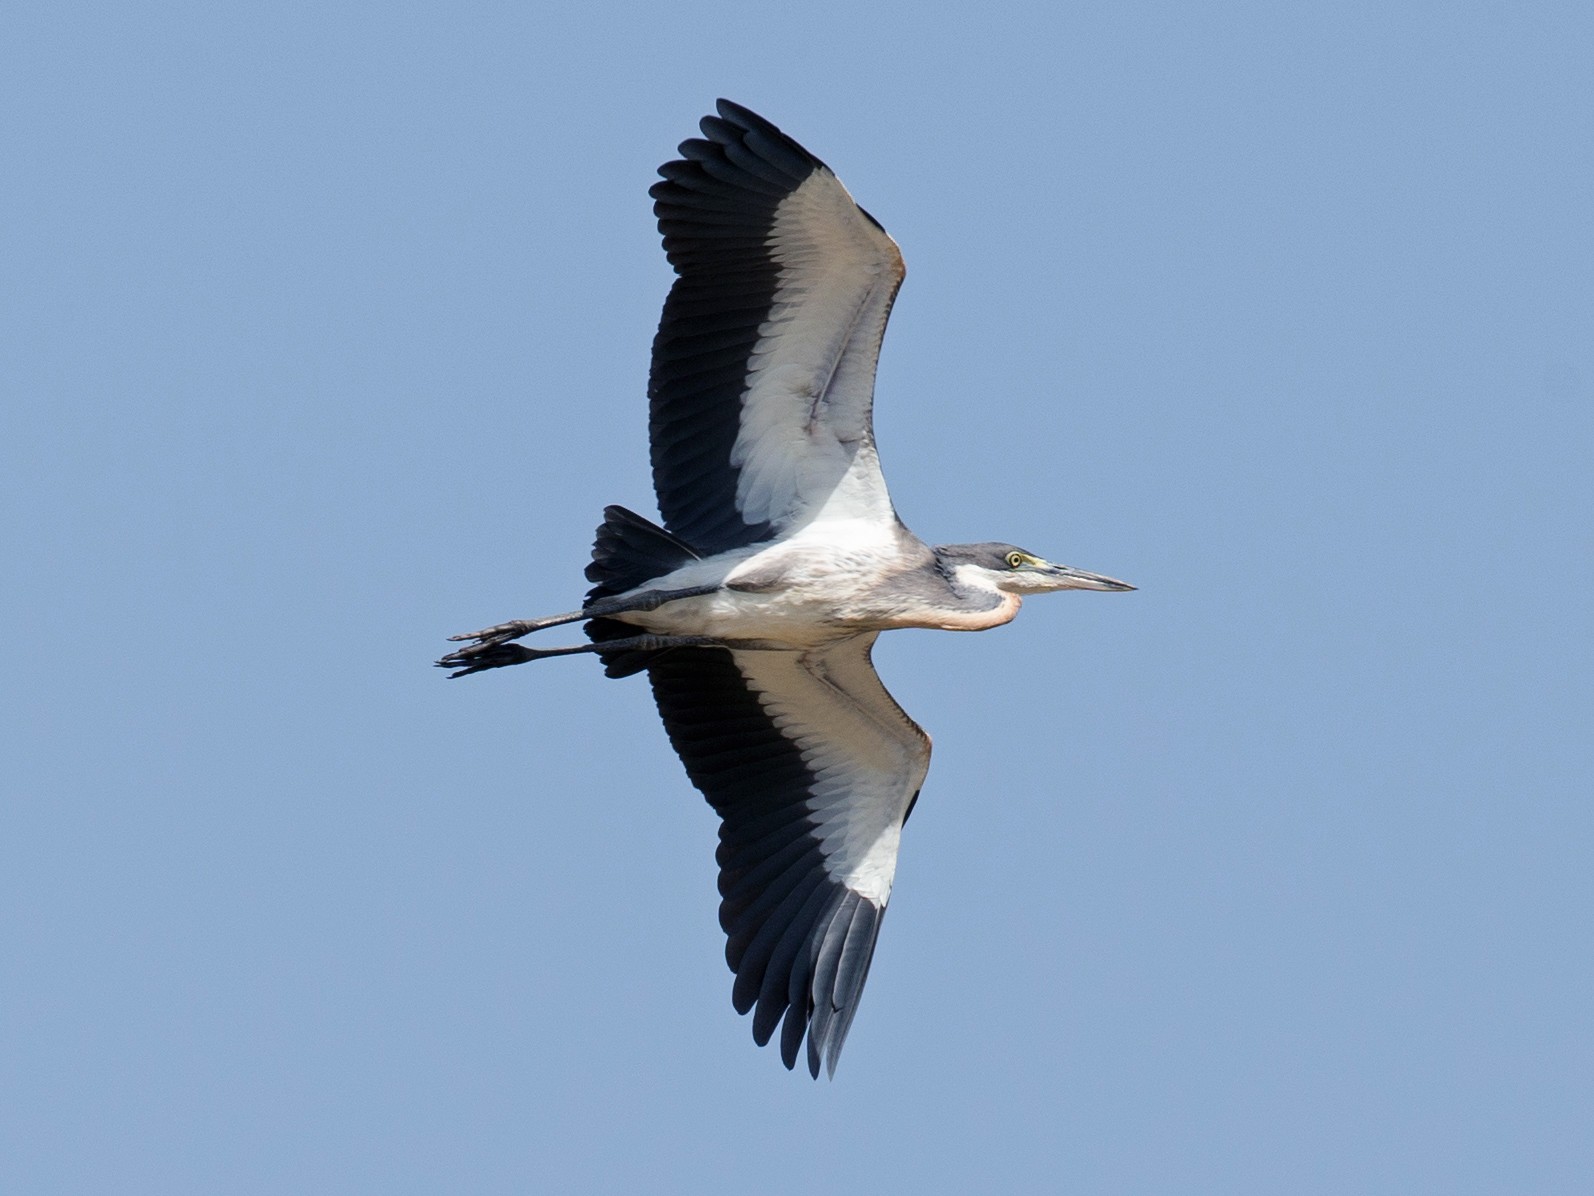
[
  {"x": 768, "y": 133},
  {"x": 740, "y": 115}
]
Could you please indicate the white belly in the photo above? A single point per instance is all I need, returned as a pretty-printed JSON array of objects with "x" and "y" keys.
[
  {"x": 780, "y": 617},
  {"x": 800, "y": 592}
]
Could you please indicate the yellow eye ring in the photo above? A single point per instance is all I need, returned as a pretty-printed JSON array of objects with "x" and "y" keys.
[{"x": 1015, "y": 559}]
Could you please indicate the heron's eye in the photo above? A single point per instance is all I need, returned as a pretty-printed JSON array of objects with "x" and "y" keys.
[{"x": 1015, "y": 559}]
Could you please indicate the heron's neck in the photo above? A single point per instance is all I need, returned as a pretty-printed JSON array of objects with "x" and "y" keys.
[
  {"x": 973, "y": 584},
  {"x": 975, "y": 600}
]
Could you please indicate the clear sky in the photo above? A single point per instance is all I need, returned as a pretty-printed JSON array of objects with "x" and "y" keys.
[{"x": 325, "y": 335}]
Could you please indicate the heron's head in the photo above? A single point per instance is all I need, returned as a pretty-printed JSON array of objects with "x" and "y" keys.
[{"x": 1009, "y": 568}]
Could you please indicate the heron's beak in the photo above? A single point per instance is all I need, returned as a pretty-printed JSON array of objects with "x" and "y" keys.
[{"x": 1064, "y": 577}]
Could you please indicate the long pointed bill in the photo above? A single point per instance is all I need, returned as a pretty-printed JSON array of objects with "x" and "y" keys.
[{"x": 1066, "y": 578}]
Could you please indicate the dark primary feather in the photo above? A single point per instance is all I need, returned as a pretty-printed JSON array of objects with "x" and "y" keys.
[
  {"x": 716, "y": 206},
  {"x": 799, "y": 942}
]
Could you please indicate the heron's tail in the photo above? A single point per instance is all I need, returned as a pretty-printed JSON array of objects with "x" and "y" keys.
[{"x": 628, "y": 552}]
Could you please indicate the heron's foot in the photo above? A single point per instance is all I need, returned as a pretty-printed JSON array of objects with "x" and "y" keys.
[
  {"x": 495, "y": 654},
  {"x": 500, "y": 633}
]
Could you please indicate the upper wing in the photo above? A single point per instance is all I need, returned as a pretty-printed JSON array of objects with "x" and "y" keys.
[
  {"x": 812, "y": 768},
  {"x": 763, "y": 368}
]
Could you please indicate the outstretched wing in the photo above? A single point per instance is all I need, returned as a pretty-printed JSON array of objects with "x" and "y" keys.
[
  {"x": 812, "y": 768},
  {"x": 763, "y": 368}
]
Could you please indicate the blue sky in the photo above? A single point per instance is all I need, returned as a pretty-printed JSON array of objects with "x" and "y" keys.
[{"x": 325, "y": 335}]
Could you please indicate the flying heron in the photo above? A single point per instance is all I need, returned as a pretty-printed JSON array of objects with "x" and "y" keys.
[{"x": 754, "y": 608}]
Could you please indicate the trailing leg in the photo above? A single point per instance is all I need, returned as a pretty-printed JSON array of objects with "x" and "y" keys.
[
  {"x": 517, "y": 628},
  {"x": 496, "y": 655}
]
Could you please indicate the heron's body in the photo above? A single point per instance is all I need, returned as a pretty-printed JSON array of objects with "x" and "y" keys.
[
  {"x": 754, "y": 608},
  {"x": 830, "y": 581}
]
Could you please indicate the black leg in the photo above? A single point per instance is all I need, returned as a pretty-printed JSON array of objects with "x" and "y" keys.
[
  {"x": 517, "y": 628},
  {"x": 480, "y": 657},
  {"x": 648, "y": 600}
]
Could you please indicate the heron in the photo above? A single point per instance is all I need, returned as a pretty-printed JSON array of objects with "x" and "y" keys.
[{"x": 753, "y": 609}]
